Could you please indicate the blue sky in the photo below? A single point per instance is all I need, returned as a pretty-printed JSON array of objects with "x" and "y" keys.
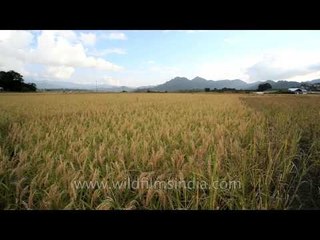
[{"x": 139, "y": 58}]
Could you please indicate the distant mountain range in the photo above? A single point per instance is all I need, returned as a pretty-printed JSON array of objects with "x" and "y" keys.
[
  {"x": 51, "y": 84},
  {"x": 176, "y": 84},
  {"x": 181, "y": 83}
]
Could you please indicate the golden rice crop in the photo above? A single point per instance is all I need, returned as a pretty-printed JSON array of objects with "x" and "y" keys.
[{"x": 269, "y": 144}]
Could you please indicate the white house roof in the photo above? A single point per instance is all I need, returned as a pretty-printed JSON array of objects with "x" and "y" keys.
[{"x": 296, "y": 89}]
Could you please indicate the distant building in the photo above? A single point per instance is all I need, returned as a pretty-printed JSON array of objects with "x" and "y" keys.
[{"x": 297, "y": 90}]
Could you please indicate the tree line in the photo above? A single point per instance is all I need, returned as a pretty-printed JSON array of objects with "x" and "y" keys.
[{"x": 12, "y": 81}]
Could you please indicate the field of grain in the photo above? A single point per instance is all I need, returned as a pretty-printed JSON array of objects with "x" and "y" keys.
[{"x": 268, "y": 145}]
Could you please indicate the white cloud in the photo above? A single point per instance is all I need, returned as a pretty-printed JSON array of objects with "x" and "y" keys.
[
  {"x": 221, "y": 69},
  {"x": 15, "y": 39},
  {"x": 104, "y": 52},
  {"x": 285, "y": 64},
  {"x": 4, "y": 35},
  {"x": 115, "y": 36},
  {"x": 277, "y": 64},
  {"x": 112, "y": 81},
  {"x": 88, "y": 39},
  {"x": 149, "y": 73},
  {"x": 60, "y": 72},
  {"x": 10, "y": 63},
  {"x": 305, "y": 77},
  {"x": 13, "y": 49},
  {"x": 69, "y": 35},
  {"x": 61, "y": 52},
  {"x": 54, "y": 50}
]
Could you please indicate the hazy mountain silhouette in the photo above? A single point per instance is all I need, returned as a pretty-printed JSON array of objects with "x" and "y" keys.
[
  {"x": 182, "y": 83},
  {"x": 51, "y": 84},
  {"x": 175, "y": 84}
]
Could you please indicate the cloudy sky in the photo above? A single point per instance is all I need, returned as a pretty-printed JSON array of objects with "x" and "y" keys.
[{"x": 140, "y": 58}]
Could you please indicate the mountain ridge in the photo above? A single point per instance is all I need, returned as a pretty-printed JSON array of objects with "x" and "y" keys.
[
  {"x": 175, "y": 84},
  {"x": 182, "y": 83}
]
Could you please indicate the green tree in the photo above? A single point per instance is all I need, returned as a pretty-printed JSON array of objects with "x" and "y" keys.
[
  {"x": 13, "y": 81},
  {"x": 264, "y": 86}
]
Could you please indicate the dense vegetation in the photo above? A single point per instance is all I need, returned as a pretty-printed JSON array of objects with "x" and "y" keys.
[
  {"x": 264, "y": 86},
  {"x": 12, "y": 81},
  {"x": 270, "y": 144}
]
